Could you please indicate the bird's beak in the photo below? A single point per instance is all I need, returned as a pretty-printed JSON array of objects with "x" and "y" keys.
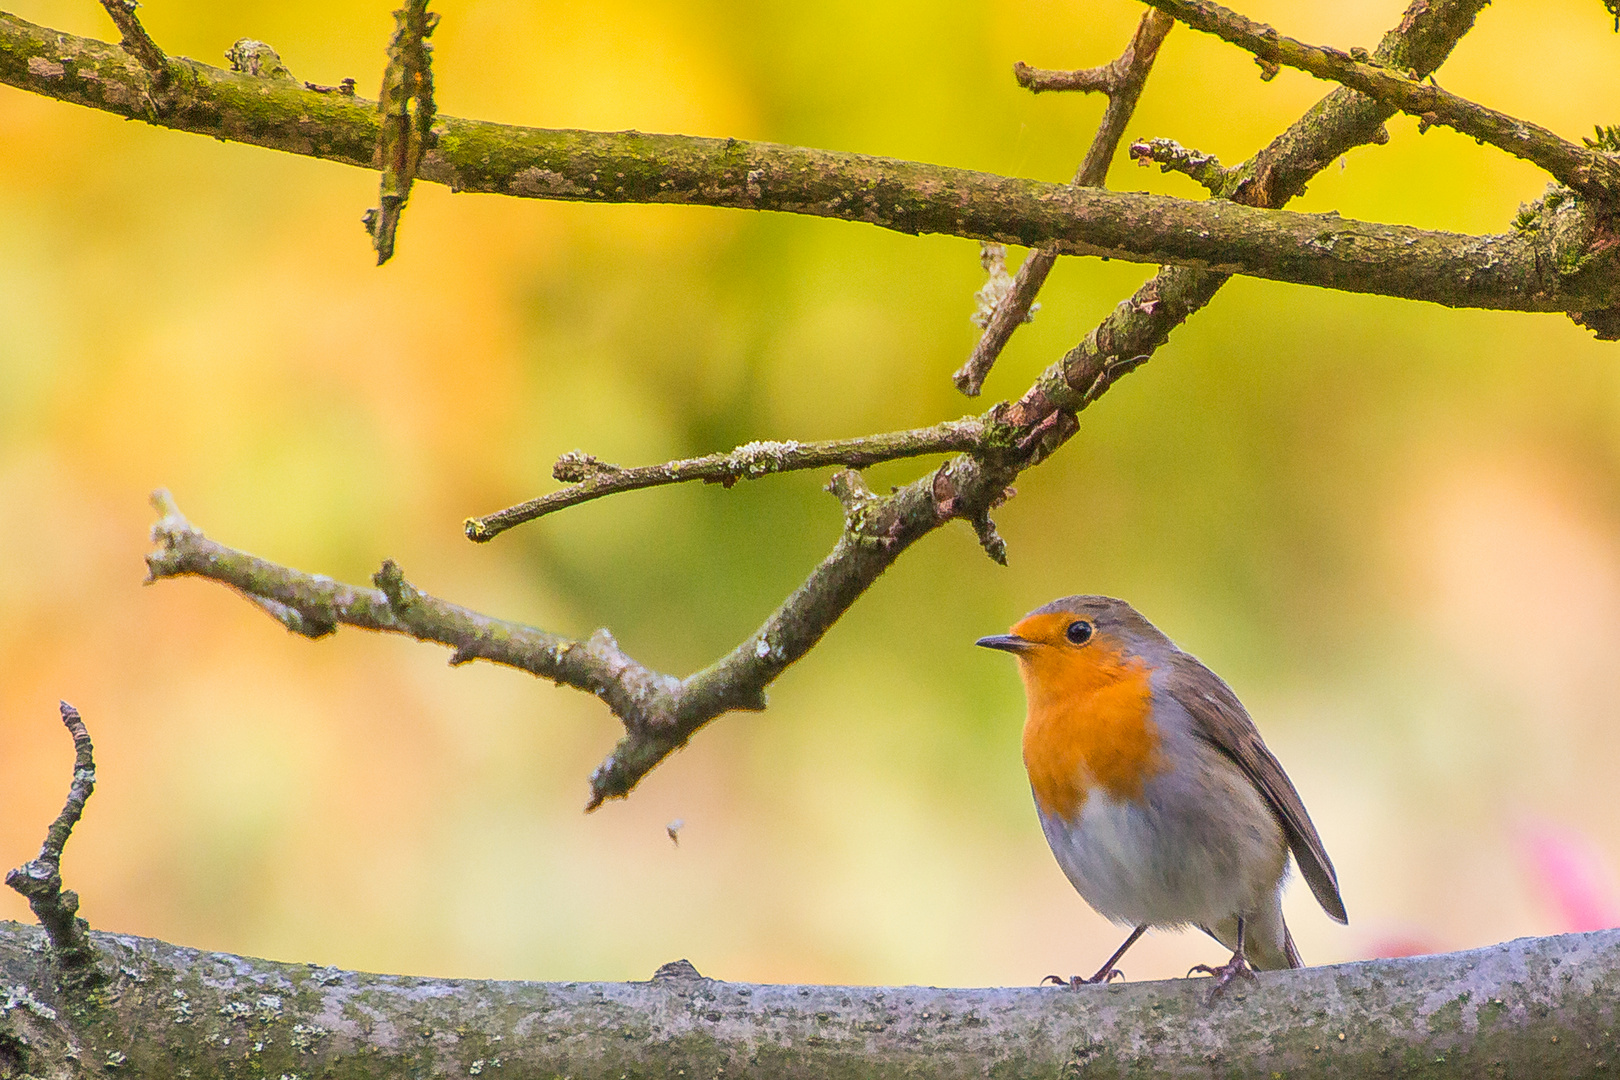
[{"x": 1006, "y": 643}]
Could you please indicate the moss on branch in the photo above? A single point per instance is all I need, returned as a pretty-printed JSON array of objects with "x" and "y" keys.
[{"x": 1324, "y": 250}]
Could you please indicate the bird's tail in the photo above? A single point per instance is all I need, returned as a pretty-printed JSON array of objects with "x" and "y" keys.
[{"x": 1290, "y": 952}]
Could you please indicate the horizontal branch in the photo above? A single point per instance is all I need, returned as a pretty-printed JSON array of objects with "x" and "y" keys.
[
  {"x": 593, "y": 479},
  {"x": 1090, "y": 80},
  {"x": 1509, "y": 272},
  {"x": 1592, "y": 173},
  {"x": 1536, "y": 1007}
]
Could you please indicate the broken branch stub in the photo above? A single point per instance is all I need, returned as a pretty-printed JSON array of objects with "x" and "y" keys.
[
  {"x": 405, "y": 132},
  {"x": 40, "y": 879}
]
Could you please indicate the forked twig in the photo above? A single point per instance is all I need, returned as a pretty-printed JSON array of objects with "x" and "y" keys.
[
  {"x": 1122, "y": 81},
  {"x": 1588, "y": 171}
]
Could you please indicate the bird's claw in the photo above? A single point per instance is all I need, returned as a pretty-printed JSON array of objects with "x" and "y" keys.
[
  {"x": 1223, "y": 975},
  {"x": 1074, "y": 982}
]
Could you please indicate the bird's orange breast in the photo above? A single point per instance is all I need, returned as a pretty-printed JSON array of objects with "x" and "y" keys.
[{"x": 1090, "y": 724}]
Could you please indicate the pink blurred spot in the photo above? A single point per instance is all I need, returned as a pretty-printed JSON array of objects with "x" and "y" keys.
[
  {"x": 1397, "y": 945},
  {"x": 1573, "y": 873}
]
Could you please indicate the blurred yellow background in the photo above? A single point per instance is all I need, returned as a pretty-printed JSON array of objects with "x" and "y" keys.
[{"x": 1394, "y": 528}]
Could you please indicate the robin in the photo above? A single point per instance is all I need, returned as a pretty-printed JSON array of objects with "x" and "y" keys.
[{"x": 1155, "y": 791}]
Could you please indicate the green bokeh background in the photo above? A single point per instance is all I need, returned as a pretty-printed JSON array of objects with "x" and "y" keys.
[{"x": 1394, "y": 528}]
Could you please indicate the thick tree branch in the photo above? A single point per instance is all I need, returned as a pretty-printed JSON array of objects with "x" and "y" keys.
[
  {"x": 1592, "y": 173},
  {"x": 1507, "y": 272},
  {"x": 593, "y": 479},
  {"x": 1531, "y": 1008},
  {"x": 40, "y": 879},
  {"x": 1122, "y": 81}
]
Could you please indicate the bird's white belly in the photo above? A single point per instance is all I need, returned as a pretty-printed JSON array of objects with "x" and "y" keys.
[{"x": 1161, "y": 862}]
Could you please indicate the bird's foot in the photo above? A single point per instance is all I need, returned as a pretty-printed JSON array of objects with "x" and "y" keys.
[
  {"x": 1074, "y": 982},
  {"x": 1223, "y": 975}
]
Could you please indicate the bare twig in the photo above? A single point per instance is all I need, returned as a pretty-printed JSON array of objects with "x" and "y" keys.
[
  {"x": 998, "y": 285},
  {"x": 404, "y": 134},
  {"x": 1590, "y": 172},
  {"x": 137, "y": 42},
  {"x": 593, "y": 479},
  {"x": 1091, "y": 80},
  {"x": 40, "y": 879},
  {"x": 1171, "y": 156},
  {"x": 315, "y": 605},
  {"x": 1122, "y": 80},
  {"x": 878, "y": 528}
]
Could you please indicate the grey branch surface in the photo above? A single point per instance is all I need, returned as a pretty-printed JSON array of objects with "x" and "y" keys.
[
  {"x": 1526, "y": 271},
  {"x": 1532, "y": 1008}
]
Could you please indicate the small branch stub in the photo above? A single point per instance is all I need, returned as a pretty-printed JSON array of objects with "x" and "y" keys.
[
  {"x": 1085, "y": 80},
  {"x": 250, "y": 57},
  {"x": 137, "y": 42},
  {"x": 1171, "y": 156},
  {"x": 405, "y": 134},
  {"x": 40, "y": 879}
]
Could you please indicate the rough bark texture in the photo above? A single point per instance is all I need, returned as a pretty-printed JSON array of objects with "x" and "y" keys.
[
  {"x": 1511, "y": 271},
  {"x": 1547, "y": 1007}
]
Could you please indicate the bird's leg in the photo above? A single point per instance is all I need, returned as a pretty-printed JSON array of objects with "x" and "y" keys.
[
  {"x": 1229, "y": 970},
  {"x": 1108, "y": 972}
]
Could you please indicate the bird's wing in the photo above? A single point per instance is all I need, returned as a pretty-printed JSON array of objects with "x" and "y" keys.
[{"x": 1219, "y": 718}]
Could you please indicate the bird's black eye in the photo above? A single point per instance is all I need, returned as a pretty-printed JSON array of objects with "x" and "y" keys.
[{"x": 1078, "y": 633}]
